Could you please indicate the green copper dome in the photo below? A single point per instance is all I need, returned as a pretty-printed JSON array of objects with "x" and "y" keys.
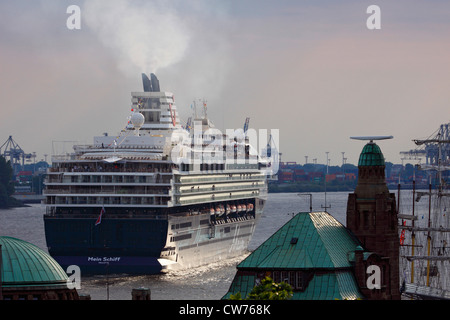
[
  {"x": 371, "y": 155},
  {"x": 24, "y": 264}
]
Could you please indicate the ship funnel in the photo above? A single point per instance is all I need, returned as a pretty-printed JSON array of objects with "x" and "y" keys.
[
  {"x": 155, "y": 82},
  {"x": 147, "y": 83},
  {"x": 152, "y": 84}
]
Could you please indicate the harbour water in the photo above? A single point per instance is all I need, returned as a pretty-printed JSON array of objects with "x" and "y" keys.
[{"x": 208, "y": 282}]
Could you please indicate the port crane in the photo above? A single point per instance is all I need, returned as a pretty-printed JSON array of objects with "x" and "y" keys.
[
  {"x": 11, "y": 151},
  {"x": 435, "y": 148}
]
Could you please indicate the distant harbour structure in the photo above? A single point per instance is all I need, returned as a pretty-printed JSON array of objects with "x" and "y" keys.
[
  {"x": 434, "y": 148},
  {"x": 11, "y": 151}
]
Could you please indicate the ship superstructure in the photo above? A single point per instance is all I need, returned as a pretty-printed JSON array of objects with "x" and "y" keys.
[{"x": 155, "y": 196}]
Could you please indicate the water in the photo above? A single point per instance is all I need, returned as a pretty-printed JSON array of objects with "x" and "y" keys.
[{"x": 210, "y": 282}]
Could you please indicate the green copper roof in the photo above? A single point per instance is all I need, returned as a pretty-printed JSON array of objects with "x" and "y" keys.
[
  {"x": 24, "y": 264},
  {"x": 311, "y": 242},
  {"x": 308, "y": 241},
  {"x": 371, "y": 155}
]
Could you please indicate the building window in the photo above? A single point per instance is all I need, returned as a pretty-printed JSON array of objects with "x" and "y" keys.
[
  {"x": 276, "y": 276},
  {"x": 298, "y": 280},
  {"x": 293, "y": 279},
  {"x": 284, "y": 276}
]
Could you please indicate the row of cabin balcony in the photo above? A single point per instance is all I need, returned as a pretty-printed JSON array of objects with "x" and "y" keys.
[
  {"x": 94, "y": 200},
  {"x": 219, "y": 178},
  {"x": 100, "y": 179},
  {"x": 218, "y": 167},
  {"x": 134, "y": 167},
  {"x": 107, "y": 190},
  {"x": 224, "y": 196},
  {"x": 102, "y": 167},
  {"x": 80, "y": 149},
  {"x": 220, "y": 187}
]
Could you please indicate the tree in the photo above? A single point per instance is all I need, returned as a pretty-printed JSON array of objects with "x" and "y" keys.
[
  {"x": 6, "y": 185},
  {"x": 267, "y": 290}
]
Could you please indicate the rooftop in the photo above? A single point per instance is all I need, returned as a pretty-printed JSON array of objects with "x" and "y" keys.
[
  {"x": 310, "y": 242},
  {"x": 24, "y": 264},
  {"x": 371, "y": 155}
]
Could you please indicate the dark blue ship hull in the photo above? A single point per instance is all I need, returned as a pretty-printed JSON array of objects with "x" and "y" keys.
[
  {"x": 116, "y": 245},
  {"x": 146, "y": 241}
]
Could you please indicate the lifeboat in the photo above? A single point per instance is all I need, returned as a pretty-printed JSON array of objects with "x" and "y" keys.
[
  {"x": 239, "y": 208},
  {"x": 211, "y": 211},
  {"x": 228, "y": 209},
  {"x": 250, "y": 207},
  {"x": 244, "y": 207},
  {"x": 233, "y": 208}
]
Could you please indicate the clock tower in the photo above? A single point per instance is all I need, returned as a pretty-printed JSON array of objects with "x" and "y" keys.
[{"x": 372, "y": 217}]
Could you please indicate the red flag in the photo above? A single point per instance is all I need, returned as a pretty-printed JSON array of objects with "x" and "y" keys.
[{"x": 99, "y": 219}]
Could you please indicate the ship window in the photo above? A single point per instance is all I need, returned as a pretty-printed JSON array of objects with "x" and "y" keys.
[
  {"x": 183, "y": 237},
  {"x": 186, "y": 225}
]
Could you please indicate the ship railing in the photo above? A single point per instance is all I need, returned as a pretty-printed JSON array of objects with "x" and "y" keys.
[
  {"x": 110, "y": 179},
  {"x": 108, "y": 216},
  {"x": 220, "y": 197},
  {"x": 230, "y": 177},
  {"x": 197, "y": 190},
  {"x": 104, "y": 168},
  {"x": 119, "y": 192},
  {"x": 63, "y": 157},
  {"x": 114, "y": 200},
  {"x": 244, "y": 217}
]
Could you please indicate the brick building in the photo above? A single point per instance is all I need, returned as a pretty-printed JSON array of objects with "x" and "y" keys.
[{"x": 372, "y": 217}]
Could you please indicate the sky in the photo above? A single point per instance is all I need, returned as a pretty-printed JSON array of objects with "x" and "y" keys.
[{"x": 312, "y": 70}]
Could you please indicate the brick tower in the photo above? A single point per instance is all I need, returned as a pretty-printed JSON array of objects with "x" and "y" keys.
[{"x": 372, "y": 217}]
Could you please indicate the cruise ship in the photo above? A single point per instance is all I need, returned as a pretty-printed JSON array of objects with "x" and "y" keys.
[{"x": 158, "y": 196}]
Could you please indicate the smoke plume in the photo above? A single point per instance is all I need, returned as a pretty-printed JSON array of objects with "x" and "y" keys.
[{"x": 144, "y": 36}]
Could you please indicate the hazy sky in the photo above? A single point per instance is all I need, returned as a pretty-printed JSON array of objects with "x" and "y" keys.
[{"x": 311, "y": 69}]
